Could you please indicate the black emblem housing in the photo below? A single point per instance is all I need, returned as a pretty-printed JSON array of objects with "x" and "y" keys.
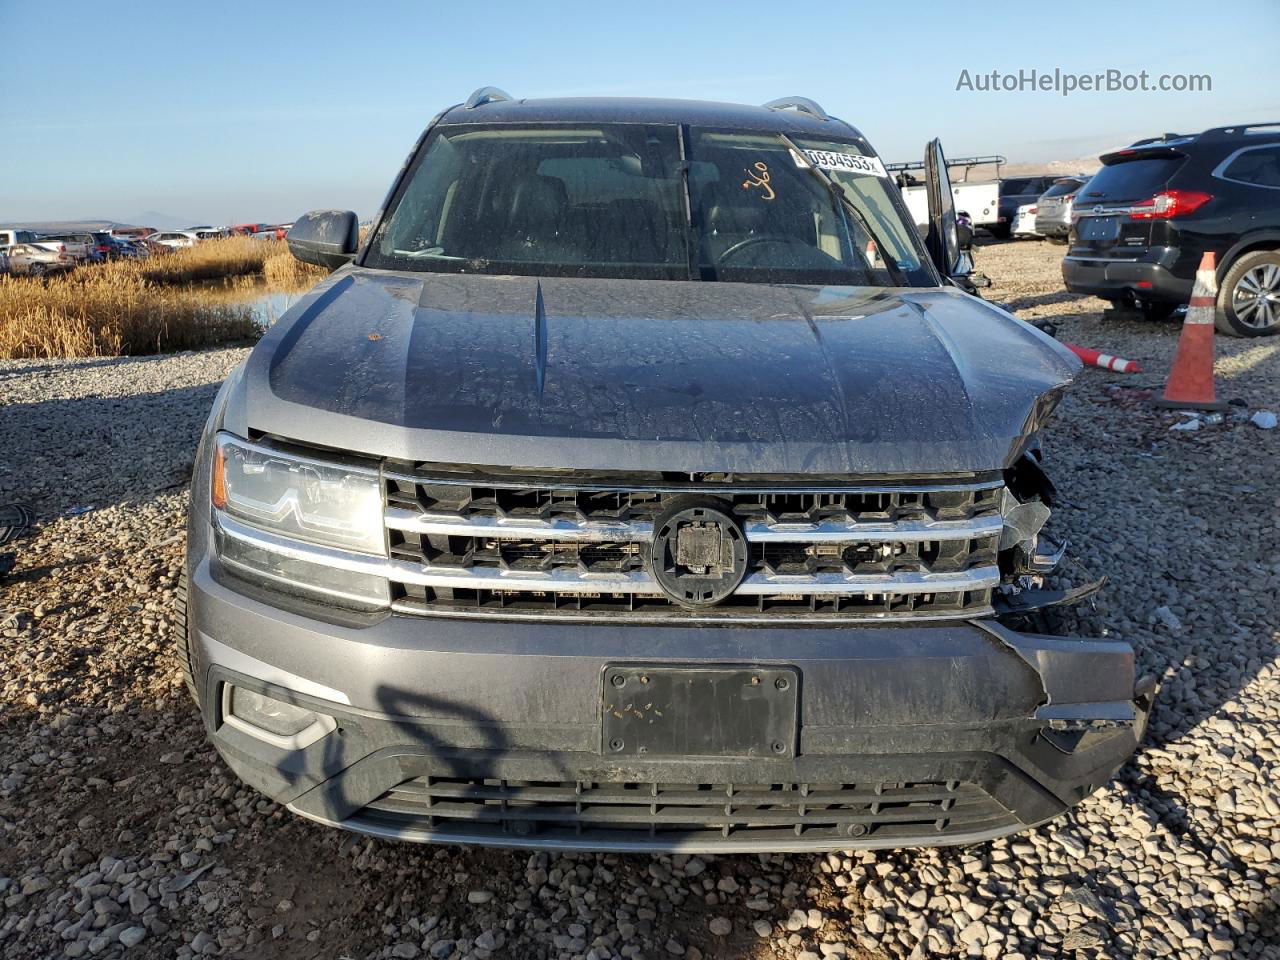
[{"x": 699, "y": 553}]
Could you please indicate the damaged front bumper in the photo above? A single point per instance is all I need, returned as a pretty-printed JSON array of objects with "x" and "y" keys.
[{"x": 497, "y": 733}]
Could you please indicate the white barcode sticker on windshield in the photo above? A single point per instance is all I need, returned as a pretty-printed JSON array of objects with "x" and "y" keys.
[{"x": 849, "y": 162}]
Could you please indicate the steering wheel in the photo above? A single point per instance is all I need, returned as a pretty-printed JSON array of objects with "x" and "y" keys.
[{"x": 734, "y": 249}]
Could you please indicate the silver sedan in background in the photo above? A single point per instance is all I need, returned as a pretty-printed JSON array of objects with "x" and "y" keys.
[
  {"x": 1053, "y": 209},
  {"x": 33, "y": 261}
]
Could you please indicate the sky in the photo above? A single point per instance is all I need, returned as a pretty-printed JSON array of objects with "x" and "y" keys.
[{"x": 237, "y": 111}]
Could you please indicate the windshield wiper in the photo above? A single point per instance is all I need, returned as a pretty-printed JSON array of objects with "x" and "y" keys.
[{"x": 838, "y": 194}]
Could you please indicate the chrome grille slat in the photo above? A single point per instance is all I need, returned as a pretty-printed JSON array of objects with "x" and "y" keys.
[
  {"x": 474, "y": 578},
  {"x": 902, "y": 531},
  {"x": 977, "y": 578},
  {"x": 487, "y": 578},
  {"x": 400, "y": 518}
]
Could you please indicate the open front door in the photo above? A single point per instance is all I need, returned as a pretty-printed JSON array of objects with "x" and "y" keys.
[{"x": 943, "y": 240}]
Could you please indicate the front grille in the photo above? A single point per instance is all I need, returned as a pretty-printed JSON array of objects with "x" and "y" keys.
[
  {"x": 705, "y": 813},
  {"x": 550, "y": 548}
]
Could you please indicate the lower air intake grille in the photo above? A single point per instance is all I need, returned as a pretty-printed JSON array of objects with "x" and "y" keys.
[{"x": 667, "y": 814}]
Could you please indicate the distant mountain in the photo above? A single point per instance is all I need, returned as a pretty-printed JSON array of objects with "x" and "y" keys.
[{"x": 161, "y": 221}]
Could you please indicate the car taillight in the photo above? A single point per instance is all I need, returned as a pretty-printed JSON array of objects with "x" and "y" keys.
[
  {"x": 62, "y": 248},
  {"x": 1033, "y": 210},
  {"x": 1068, "y": 198},
  {"x": 1169, "y": 204}
]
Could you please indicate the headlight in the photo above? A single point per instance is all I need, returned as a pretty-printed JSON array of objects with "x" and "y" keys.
[{"x": 297, "y": 497}]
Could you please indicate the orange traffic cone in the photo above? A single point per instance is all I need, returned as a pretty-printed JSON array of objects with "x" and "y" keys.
[{"x": 1190, "y": 385}]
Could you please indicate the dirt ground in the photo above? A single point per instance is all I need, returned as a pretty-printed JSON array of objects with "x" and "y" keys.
[{"x": 123, "y": 834}]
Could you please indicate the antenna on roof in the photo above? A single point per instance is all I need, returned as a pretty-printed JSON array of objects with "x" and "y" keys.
[
  {"x": 486, "y": 95},
  {"x": 802, "y": 104}
]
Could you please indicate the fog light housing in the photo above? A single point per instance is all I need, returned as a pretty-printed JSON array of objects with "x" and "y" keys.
[{"x": 281, "y": 724}]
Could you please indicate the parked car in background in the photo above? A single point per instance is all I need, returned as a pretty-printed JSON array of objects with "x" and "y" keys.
[
  {"x": 27, "y": 259},
  {"x": 1014, "y": 192},
  {"x": 1143, "y": 222},
  {"x": 276, "y": 232},
  {"x": 1053, "y": 209},
  {"x": 1024, "y": 221},
  {"x": 11, "y": 235},
  {"x": 131, "y": 234},
  {"x": 207, "y": 232},
  {"x": 723, "y": 490},
  {"x": 134, "y": 249},
  {"x": 107, "y": 247},
  {"x": 174, "y": 239},
  {"x": 79, "y": 246}
]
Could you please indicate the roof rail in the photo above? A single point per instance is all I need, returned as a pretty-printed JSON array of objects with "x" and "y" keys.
[
  {"x": 486, "y": 95},
  {"x": 803, "y": 104},
  {"x": 1239, "y": 130}
]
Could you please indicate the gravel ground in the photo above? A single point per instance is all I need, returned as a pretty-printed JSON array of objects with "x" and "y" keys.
[{"x": 121, "y": 832}]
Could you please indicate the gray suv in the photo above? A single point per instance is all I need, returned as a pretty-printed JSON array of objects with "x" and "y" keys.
[{"x": 644, "y": 482}]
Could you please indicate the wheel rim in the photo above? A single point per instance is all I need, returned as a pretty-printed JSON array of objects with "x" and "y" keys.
[{"x": 1256, "y": 298}]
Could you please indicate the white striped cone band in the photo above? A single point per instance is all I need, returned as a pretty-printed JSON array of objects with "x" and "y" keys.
[
  {"x": 1204, "y": 298},
  {"x": 1118, "y": 364}
]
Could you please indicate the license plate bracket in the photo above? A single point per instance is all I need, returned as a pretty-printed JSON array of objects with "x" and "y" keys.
[
  {"x": 652, "y": 710},
  {"x": 1098, "y": 231}
]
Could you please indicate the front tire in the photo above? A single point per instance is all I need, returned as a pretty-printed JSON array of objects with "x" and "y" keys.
[
  {"x": 181, "y": 637},
  {"x": 1249, "y": 297},
  {"x": 37, "y": 270}
]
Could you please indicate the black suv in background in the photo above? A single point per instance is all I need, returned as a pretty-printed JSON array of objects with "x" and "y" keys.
[
  {"x": 1014, "y": 192},
  {"x": 1143, "y": 222}
]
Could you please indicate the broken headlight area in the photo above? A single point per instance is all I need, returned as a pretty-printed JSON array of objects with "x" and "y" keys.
[{"x": 1031, "y": 562}]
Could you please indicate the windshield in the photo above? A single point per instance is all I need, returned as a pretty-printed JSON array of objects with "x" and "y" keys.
[{"x": 619, "y": 200}]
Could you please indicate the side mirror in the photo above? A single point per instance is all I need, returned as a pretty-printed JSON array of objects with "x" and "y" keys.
[{"x": 326, "y": 238}]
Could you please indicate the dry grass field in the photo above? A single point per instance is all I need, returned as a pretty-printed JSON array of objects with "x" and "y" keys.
[{"x": 142, "y": 306}]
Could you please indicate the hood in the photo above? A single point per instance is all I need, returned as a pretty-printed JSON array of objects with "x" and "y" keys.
[{"x": 652, "y": 375}]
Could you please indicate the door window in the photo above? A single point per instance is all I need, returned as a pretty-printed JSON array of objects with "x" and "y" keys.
[{"x": 1259, "y": 166}]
